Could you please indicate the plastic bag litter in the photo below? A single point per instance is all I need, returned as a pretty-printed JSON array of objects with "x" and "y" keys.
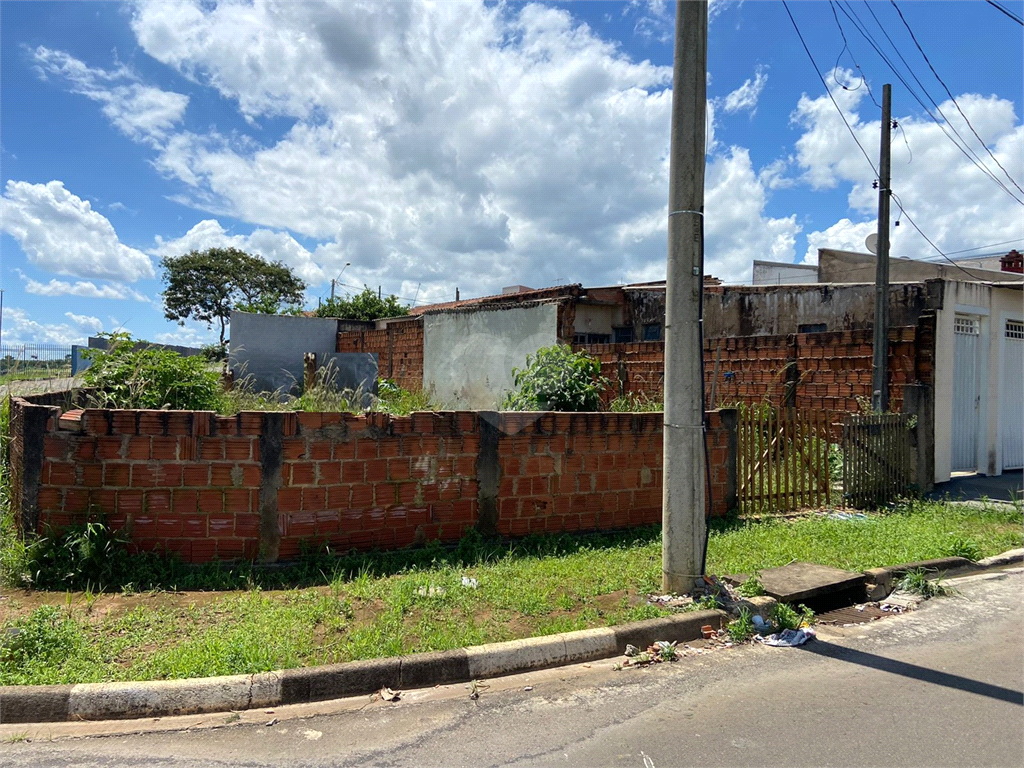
[
  {"x": 834, "y": 515},
  {"x": 787, "y": 638},
  {"x": 470, "y": 582}
]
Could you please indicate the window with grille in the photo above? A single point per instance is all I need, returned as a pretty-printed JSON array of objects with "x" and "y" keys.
[
  {"x": 967, "y": 325},
  {"x": 1014, "y": 329}
]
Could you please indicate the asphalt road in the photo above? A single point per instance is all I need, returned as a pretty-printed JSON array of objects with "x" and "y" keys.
[{"x": 940, "y": 686}]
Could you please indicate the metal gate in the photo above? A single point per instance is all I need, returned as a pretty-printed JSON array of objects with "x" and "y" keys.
[
  {"x": 1011, "y": 398},
  {"x": 966, "y": 395},
  {"x": 876, "y": 458}
]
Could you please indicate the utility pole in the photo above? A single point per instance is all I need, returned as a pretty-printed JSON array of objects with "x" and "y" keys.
[
  {"x": 880, "y": 347},
  {"x": 683, "y": 523}
]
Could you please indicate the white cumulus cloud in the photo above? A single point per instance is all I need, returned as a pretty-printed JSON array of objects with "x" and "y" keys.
[
  {"x": 61, "y": 233},
  {"x": 745, "y": 97},
  {"x": 272, "y": 246},
  {"x": 139, "y": 111}
]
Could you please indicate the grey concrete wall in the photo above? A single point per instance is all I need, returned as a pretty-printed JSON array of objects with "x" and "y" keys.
[
  {"x": 775, "y": 273},
  {"x": 468, "y": 356},
  {"x": 79, "y": 362},
  {"x": 773, "y": 310},
  {"x": 836, "y": 266},
  {"x": 269, "y": 348}
]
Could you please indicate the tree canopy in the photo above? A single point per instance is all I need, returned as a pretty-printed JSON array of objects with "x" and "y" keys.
[
  {"x": 207, "y": 285},
  {"x": 366, "y": 305}
]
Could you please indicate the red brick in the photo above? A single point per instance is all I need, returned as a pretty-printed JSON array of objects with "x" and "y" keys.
[
  {"x": 184, "y": 502},
  {"x": 318, "y": 450},
  {"x": 195, "y": 475},
  {"x": 109, "y": 447},
  {"x": 220, "y": 525},
  {"x": 352, "y": 472},
  {"x": 302, "y": 472},
  {"x": 238, "y": 449},
  {"x": 164, "y": 448},
  {"x": 211, "y": 448},
  {"x": 376, "y": 470},
  {"x": 314, "y": 499},
  {"x": 338, "y": 496},
  {"x": 289, "y": 499},
  {"x": 237, "y": 501},
  {"x": 144, "y": 476},
  {"x": 343, "y": 451},
  {"x": 211, "y": 501}
]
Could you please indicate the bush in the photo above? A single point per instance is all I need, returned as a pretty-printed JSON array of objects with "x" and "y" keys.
[
  {"x": 636, "y": 402},
  {"x": 557, "y": 379},
  {"x": 90, "y": 555},
  {"x": 366, "y": 305},
  {"x": 126, "y": 377}
]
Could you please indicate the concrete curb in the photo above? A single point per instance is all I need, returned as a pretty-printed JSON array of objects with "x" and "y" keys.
[
  {"x": 160, "y": 698},
  {"x": 879, "y": 581}
]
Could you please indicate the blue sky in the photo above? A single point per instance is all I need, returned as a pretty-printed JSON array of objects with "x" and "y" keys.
[{"x": 474, "y": 145}]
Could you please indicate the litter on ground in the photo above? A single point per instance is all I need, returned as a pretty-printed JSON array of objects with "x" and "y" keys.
[{"x": 787, "y": 638}]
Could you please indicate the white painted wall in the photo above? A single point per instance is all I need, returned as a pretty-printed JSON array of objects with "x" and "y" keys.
[
  {"x": 993, "y": 305},
  {"x": 468, "y": 356}
]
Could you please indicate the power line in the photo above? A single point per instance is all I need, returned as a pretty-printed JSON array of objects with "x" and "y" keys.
[
  {"x": 846, "y": 47},
  {"x": 945, "y": 127},
  {"x": 829, "y": 92},
  {"x": 1006, "y": 11},
  {"x": 906, "y": 215},
  {"x": 990, "y": 245},
  {"x": 951, "y": 98}
]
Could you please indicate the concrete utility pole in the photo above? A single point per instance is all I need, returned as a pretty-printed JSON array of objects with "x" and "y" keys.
[
  {"x": 880, "y": 348},
  {"x": 683, "y": 521}
]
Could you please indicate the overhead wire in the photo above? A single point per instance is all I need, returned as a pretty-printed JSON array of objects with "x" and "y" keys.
[
  {"x": 944, "y": 126},
  {"x": 951, "y": 98},
  {"x": 846, "y": 47},
  {"x": 827, "y": 90},
  {"x": 895, "y": 198},
  {"x": 1006, "y": 11}
]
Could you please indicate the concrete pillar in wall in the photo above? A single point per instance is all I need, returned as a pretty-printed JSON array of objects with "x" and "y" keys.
[{"x": 919, "y": 401}]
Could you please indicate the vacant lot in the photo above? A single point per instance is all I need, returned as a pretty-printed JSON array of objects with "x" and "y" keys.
[{"x": 383, "y": 605}]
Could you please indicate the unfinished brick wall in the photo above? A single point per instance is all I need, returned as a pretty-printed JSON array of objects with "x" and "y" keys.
[
  {"x": 399, "y": 348},
  {"x": 817, "y": 371},
  {"x": 266, "y": 485}
]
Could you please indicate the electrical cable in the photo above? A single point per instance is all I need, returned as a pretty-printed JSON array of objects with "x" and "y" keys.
[
  {"x": 1006, "y": 11},
  {"x": 846, "y": 47},
  {"x": 951, "y": 98},
  {"x": 829, "y": 92},
  {"x": 945, "y": 127},
  {"x": 903, "y": 210}
]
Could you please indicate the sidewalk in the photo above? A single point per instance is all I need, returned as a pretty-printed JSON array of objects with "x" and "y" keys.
[{"x": 1004, "y": 487}]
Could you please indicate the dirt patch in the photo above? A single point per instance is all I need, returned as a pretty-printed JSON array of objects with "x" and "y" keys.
[
  {"x": 616, "y": 601},
  {"x": 14, "y": 604}
]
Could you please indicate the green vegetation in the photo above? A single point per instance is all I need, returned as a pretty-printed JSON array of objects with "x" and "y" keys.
[
  {"x": 785, "y": 616},
  {"x": 325, "y": 609},
  {"x": 365, "y": 305},
  {"x": 206, "y": 285},
  {"x": 636, "y": 402},
  {"x": 741, "y": 629},
  {"x": 751, "y": 587},
  {"x": 557, "y": 379},
  {"x": 918, "y": 582},
  {"x": 149, "y": 377}
]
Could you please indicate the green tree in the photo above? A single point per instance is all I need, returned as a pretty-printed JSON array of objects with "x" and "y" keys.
[
  {"x": 557, "y": 379},
  {"x": 365, "y": 305},
  {"x": 207, "y": 285}
]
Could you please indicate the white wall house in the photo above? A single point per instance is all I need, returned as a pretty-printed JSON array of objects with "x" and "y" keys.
[{"x": 979, "y": 379}]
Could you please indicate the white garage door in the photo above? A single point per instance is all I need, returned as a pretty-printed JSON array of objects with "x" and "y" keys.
[
  {"x": 966, "y": 395},
  {"x": 1011, "y": 399}
]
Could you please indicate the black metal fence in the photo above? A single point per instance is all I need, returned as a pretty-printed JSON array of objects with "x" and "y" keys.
[{"x": 34, "y": 361}]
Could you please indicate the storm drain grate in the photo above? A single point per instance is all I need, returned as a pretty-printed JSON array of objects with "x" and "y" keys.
[{"x": 853, "y": 614}]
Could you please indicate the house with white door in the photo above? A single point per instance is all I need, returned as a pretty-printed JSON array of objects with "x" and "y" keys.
[{"x": 979, "y": 379}]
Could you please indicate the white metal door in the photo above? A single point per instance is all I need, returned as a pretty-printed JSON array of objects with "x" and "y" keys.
[
  {"x": 966, "y": 397},
  {"x": 1011, "y": 399}
]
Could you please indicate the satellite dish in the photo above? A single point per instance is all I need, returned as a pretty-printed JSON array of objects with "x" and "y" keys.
[{"x": 872, "y": 242}]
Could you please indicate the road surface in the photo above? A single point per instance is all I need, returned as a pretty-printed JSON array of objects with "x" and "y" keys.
[{"x": 939, "y": 686}]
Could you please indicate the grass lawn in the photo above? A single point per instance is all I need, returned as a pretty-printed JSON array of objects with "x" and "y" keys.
[{"x": 328, "y": 610}]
